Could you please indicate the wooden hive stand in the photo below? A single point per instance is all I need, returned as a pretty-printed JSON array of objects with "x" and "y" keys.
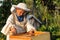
[{"x": 37, "y": 36}]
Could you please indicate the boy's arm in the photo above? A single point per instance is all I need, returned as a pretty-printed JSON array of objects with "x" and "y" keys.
[
  {"x": 30, "y": 29},
  {"x": 5, "y": 30}
]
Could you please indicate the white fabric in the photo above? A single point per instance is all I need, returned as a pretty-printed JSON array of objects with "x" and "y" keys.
[
  {"x": 29, "y": 27},
  {"x": 12, "y": 8},
  {"x": 22, "y": 6},
  {"x": 5, "y": 30},
  {"x": 7, "y": 37}
]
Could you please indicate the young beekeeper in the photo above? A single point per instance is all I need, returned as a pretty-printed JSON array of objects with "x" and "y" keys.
[{"x": 18, "y": 22}]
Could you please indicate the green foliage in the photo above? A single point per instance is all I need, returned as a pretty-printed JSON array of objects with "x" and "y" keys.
[
  {"x": 17, "y": 1},
  {"x": 58, "y": 39},
  {"x": 50, "y": 17},
  {"x": 2, "y": 37},
  {"x": 42, "y": 28}
]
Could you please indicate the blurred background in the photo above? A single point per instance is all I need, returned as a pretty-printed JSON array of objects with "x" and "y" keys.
[{"x": 47, "y": 11}]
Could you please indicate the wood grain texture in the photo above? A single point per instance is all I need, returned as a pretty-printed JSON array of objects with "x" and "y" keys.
[{"x": 37, "y": 36}]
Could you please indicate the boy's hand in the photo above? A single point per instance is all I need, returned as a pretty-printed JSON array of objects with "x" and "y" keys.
[
  {"x": 13, "y": 31},
  {"x": 31, "y": 33}
]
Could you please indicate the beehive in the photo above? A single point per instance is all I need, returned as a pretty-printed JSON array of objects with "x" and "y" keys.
[{"x": 37, "y": 36}]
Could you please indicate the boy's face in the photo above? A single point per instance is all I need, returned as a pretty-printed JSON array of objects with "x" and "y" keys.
[{"x": 20, "y": 12}]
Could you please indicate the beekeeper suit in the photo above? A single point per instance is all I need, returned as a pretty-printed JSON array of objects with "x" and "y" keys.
[{"x": 16, "y": 20}]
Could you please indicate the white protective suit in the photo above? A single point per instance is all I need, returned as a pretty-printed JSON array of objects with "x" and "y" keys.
[{"x": 18, "y": 25}]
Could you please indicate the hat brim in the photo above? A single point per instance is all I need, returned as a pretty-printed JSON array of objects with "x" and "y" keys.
[{"x": 26, "y": 9}]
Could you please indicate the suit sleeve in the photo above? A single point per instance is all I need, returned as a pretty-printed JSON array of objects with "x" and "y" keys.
[
  {"x": 6, "y": 28},
  {"x": 30, "y": 27}
]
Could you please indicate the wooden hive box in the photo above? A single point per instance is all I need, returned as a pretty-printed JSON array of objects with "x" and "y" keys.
[{"x": 37, "y": 36}]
